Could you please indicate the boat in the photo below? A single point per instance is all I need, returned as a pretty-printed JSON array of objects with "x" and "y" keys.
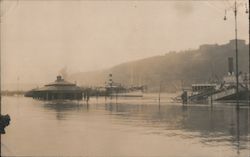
[
  {"x": 226, "y": 90},
  {"x": 115, "y": 89},
  {"x": 128, "y": 94}
]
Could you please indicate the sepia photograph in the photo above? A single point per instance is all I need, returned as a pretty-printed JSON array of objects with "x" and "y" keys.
[{"x": 124, "y": 78}]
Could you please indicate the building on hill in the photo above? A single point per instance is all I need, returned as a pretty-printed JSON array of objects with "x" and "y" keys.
[{"x": 240, "y": 42}]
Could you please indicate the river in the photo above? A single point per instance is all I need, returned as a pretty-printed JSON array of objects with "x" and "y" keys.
[{"x": 124, "y": 127}]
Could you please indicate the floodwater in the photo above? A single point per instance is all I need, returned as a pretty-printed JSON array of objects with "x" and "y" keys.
[{"x": 124, "y": 127}]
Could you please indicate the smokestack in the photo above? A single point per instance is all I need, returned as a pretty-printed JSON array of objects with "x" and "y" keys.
[
  {"x": 230, "y": 66},
  {"x": 110, "y": 80}
]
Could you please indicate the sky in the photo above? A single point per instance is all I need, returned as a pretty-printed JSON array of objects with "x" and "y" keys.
[{"x": 39, "y": 38}]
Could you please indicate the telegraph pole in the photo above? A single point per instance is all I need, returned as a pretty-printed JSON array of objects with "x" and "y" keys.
[
  {"x": 248, "y": 83},
  {"x": 236, "y": 54}
]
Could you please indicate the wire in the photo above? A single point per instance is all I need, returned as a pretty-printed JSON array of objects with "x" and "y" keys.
[{"x": 213, "y": 6}]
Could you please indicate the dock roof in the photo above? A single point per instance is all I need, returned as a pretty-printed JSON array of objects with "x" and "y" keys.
[
  {"x": 60, "y": 82},
  {"x": 59, "y": 85}
]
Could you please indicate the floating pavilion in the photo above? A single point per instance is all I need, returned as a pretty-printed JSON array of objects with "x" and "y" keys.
[{"x": 59, "y": 89}]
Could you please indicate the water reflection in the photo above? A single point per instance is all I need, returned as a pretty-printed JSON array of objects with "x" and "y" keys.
[
  {"x": 125, "y": 128},
  {"x": 213, "y": 125},
  {"x": 62, "y": 109}
]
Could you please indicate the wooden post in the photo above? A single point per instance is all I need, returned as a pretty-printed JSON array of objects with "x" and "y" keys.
[{"x": 159, "y": 94}]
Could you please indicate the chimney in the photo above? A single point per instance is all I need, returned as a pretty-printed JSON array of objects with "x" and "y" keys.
[
  {"x": 58, "y": 78},
  {"x": 230, "y": 65}
]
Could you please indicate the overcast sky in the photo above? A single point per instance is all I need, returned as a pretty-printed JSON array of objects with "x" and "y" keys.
[{"x": 40, "y": 38}]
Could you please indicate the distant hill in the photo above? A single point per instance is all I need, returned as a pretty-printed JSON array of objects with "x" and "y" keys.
[{"x": 174, "y": 69}]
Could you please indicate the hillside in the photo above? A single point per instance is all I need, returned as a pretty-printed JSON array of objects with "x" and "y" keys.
[{"x": 174, "y": 69}]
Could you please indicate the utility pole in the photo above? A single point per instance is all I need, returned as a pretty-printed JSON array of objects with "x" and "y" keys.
[
  {"x": 236, "y": 51},
  {"x": 248, "y": 83},
  {"x": 236, "y": 54}
]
